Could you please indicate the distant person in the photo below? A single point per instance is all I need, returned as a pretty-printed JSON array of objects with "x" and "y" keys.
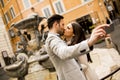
[
  {"x": 107, "y": 20},
  {"x": 62, "y": 55},
  {"x": 33, "y": 13}
]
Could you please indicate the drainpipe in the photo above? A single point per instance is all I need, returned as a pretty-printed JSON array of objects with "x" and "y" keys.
[
  {"x": 19, "y": 9},
  {"x": 6, "y": 25},
  {"x": 3, "y": 16},
  {"x": 101, "y": 6},
  {"x": 50, "y": 1}
]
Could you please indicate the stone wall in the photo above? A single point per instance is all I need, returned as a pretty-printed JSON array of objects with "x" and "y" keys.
[{"x": 41, "y": 75}]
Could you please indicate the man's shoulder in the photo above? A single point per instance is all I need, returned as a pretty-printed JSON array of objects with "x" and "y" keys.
[{"x": 52, "y": 37}]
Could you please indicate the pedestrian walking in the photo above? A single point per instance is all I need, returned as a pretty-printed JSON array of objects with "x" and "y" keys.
[{"x": 107, "y": 20}]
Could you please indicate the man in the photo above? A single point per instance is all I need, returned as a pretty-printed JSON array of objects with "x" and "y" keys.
[{"x": 61, "y": 55}]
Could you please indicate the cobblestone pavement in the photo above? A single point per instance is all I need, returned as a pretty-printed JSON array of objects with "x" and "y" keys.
[
  {"x": 107, "y": 59},
  {"x": 104, "y": 61}
]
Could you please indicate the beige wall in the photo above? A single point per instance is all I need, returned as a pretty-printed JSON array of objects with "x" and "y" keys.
[
  {"x": 5, "y": 44},
  {"x": 91, "y": 8},
  {"x": 73, "y": 9}
]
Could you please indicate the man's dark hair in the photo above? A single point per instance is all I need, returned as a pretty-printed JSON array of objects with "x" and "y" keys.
[{"x": 52, "y": 19}]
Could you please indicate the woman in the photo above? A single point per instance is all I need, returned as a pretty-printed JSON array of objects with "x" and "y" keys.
[{"x": 73, "y": 35}]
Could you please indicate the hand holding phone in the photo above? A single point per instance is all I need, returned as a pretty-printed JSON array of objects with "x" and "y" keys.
[{"x": 109, "y": 29}]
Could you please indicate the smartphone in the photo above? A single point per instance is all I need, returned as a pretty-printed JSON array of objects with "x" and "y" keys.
[{"x": 109, "y": 29}]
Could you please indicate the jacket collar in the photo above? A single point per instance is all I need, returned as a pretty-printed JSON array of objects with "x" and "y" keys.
[{"x": 55, "y": 34}]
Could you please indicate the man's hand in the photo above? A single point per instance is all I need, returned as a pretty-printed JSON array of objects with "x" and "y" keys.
[{"x": 97, "y": 34}]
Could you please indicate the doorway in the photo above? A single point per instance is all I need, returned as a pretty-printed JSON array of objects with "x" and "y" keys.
[
  {"x": 86, "y": 23},
  {"x": 6, "y": 57}
]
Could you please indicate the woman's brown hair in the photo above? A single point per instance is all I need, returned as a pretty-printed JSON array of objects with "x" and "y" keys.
[{"x": 79, "y": 34}]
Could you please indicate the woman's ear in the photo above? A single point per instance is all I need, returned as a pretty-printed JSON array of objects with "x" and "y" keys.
[{"x": 73, "y": 35}]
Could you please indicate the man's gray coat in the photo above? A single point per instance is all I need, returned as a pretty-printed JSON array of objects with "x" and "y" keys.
[{"x": 62, "y": 57}]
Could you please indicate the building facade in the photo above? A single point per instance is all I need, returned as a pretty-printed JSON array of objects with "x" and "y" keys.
[
  {"x": 86, "y": 12},
  {"x": 112, "y": 7},
  {"x": 5, "y": 45}
]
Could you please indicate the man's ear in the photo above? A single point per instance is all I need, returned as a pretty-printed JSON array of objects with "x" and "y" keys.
[{"x": 54, "y": 24}]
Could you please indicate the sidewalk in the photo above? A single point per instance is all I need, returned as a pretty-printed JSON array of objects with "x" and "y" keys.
[{"x": 104, "y": 61}]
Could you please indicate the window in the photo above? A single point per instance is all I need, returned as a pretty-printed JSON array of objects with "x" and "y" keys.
[
  {"x": 11, "y": 33},
  {"x": 7, "y": 17},
  {"x": 6, "y": 57},
  {"x": 59, "y": 7},
  {"x": 47, "y": 11},
  {"x": 2, "y": 3},
  {"x": 12, "y": 12},
  {"x": 39, "y": 0},
  {"x": 26, "y": 3},
  {"x": 85, "y": 1},
  {"x": 4, "y": 54}
]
